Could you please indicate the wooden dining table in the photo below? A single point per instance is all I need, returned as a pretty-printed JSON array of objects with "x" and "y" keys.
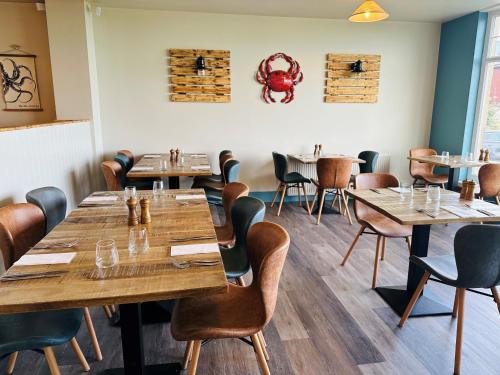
[
  {"x": 453, "y": 162},
  {"x": 388, "y": 203},
  {"x": 136, "y": 279},
  {"x": 159, "y": 166}
]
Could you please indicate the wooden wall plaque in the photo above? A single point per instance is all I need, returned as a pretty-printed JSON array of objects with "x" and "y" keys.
[
  {"x": 187, "y": 86},
  {"x": 344, "y": 86}
]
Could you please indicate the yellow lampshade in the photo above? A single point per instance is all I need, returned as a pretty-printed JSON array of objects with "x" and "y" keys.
[{"x": 369, "y": 11}]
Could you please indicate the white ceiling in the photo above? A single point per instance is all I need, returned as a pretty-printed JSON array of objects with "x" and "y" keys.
[{"x": 399, "y": 10}]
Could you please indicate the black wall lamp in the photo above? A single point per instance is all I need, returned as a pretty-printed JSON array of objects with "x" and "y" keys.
[
  {"x": 200, "y": 66},
  {"x": 357, "y": 67}
]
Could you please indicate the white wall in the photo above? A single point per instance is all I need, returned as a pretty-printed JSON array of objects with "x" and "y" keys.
[
  {"x": 131, "y": 49},
  {"x": 57, "y": 155}
]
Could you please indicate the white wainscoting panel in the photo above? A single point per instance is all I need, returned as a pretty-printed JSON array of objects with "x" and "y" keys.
[{"x": 56, "y": 155}]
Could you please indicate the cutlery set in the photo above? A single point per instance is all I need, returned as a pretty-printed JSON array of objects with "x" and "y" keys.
[
  {"x": 56, "y": 245},
  {"x": 31, "y": 275},
  {"x": 201, "y": 263}
]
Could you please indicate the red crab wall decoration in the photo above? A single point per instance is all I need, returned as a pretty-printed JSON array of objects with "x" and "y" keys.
[{"x": 279, "y": 80}]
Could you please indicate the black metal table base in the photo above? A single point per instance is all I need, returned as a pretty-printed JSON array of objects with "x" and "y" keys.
[
  {"x": 163, "y": 369},
  {"x": 173, "y": 182},
  {"x": 451, "y": 178},
  {"x": 152, "y": 313},
  {"x": 397, "y": 297}
]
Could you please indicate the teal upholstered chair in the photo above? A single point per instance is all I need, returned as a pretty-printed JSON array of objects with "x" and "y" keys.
[
  {"x": 126, "y": 164},
  {"x": 214, "y": 189},
  {"x": 245, "y": 212},
  {"x": 370, "y": 158},
  {"x": 224, "y": 156},
  {"x": 52, "y": 201},
  {"x": 288, "y": 180}
]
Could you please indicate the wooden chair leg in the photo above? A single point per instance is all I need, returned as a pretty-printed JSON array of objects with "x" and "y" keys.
[
  {"x": 375, "y": 264},
  {"x": 408, "y": 241},
  {"x": 285, "y": 187},
  {"x": 340, "y": 202},
  {"x": 315, "y": 196},
  {"x": 240, "y": 281},
  {"x": 346, "y": 206},
  {"x": 11, "y": 363},
  {"x": 333, "y": 201},
  {"x": 455, "y": 305},
  {"x": 360, "y": 232},
  {"x": 320, "y": 207},
  {"x": 262, "y": 345},
  {"x": 261, "y": 359},
  {"x": 496, "y": 297},
  {"x": 93, "y": 337},
  {"x": 113, "y": 308},
  {"x": 382, "y": 255},
  {"x": 298, "y": 193},
  {"x": 194, "y": 358},
  {"x": 187, "y": 354},
  {"x": 79, "y": 354},
  {"x": 305, "y": 198},
  {"x": 276, "y": 194},
  {"x": 498, "y": 200},
  {"x": 51, "y": 360},
  {"x": 414, "y": 298},
  {"x": 460, "y": 328},
  {"x": 107, "y": 311}
]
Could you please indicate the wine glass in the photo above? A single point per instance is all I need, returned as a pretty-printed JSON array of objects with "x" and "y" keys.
[
  {"x": 106, "y": 253},
  {"x": 157, "y": 188},
  {"x": 130, "y": 192}
]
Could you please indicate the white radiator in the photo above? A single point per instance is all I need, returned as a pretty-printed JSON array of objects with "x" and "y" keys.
[{"x": 309, "y": 170}]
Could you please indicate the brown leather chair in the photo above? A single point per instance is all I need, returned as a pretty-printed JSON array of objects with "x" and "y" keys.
[
  {"x": 112, "y": 171},
  {"x": 243, "y": 310},
  {"x": 425, "y": 171},
  {"x": 489, "y": 181},
  {"x": 379, "y": 224},
  {"x": 128, "y": 154},
  {"x": 231, "y": 192},
  {"x": 333, "y": 174}
]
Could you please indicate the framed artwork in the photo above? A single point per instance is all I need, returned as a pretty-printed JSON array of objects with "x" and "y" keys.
[{"x": 19, "y": 82}]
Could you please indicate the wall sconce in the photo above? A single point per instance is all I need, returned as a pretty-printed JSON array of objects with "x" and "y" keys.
[
  {"x": 200, "y": 66},
  {"x": 357, "y": 67}
]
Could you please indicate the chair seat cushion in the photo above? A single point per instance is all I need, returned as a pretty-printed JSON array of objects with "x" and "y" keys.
[
  {"x": 295, "y": 178},
  {"x": 444, "y": 267},
  {"x": 36, "y": 330},
  {"x": 235, "y": 261},
  {"x": 385, "y": 226},
  {"x": 434, "y": 178},
  {"x": 225, "y": 234},
  {"x": 237, "y": 313},
  {"x": 199, "y": 181}
]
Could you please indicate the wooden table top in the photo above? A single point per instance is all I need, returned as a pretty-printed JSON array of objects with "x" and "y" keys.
[
  {"x": 173, "y": 169},
  {"x": 388, "y": 203},
  {"x": 313, "y": 159},
  {"x": 454, "y": 161},
  {"x": 150, "y": 276}
]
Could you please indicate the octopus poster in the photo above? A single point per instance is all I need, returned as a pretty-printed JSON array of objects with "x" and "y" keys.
[{"x": 19, "y": 82}]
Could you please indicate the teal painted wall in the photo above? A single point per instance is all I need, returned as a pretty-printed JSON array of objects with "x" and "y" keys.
[{"x": 457, "y": 83}]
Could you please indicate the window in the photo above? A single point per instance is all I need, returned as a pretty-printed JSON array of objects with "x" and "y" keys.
[{"x": 487, "y": 134}]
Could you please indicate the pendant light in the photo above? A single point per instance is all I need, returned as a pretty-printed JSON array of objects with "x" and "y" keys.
[{"x": 369, "y": 11}]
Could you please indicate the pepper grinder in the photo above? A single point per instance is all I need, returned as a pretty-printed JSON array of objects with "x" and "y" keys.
[
  {"x": 486, "y": 155},
  {"x": 132, "y": 214},
  {"x": 145, "y": 215},
  {"x": 177, "y": 152},
  {"x": 315, "y": 149},
  {"x": 481, "y": 155},
  {"x": 172, "y": 155},
  {"x": 463, "y": 190},
  {"x": 469, "y": 194},
  {"x": 319, "y": 149}
]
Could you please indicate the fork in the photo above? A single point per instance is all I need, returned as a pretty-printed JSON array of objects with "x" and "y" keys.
[
  {"x": 192, "y": 238},
  {"x": 31, "y": 275},
  {"x": 53, "y": 245},
  {"x": 202, "y": 263}
]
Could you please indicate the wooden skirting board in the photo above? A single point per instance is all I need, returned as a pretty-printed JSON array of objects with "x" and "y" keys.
[
  {"x": 187, "y": 86},
  {"x": 344, "y": 86}
]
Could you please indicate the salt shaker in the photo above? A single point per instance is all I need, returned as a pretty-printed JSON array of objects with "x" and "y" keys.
[
  {"x": 463, "y": 190},
  {"x": 481, "y": 155},
  {"x": 315, "y": 149},
  {"x": 320, "y": 147},
  {"x": 486, "y": 155},
  {"x": 177, "y": 152},
  {"x": 145, "y": 215},
  {"x": 471, "y": 186},
  {"x": 172, "y": 155},
  {"x": 132, "y": 213}
]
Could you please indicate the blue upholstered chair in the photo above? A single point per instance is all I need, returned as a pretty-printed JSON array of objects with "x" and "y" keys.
[
  {"x": 224, "y": 156},
  {"x": 52, "y": 201},
  {"x": 126, "y": 164},
  {"x": 288, "y": 180},
  {"x": 245, "y": 212},
  {"x": 214, "y": 190},
  {"x": 370, "y": 158},
  {"x": 475, "y": 264}
]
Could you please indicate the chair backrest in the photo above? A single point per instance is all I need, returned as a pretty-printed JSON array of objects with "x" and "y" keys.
[
  {"x": 222, "y": 162},
  {"x": 489, "y": 180},
  {"x": 418, "y": 169},
  {"x": 52, "y": 201},
  {"x": 334, "y": 172},
  {"x": 124, "y": 162},
  {"x": 231, "y": 192},
  {"x": 245, "y": 212},
  {"x": 22, "y": 225},
  {"x": 280, "y": 165},
  {"x": 477, "y": 255},
  {"x": 267, "y": 249},
  {"x": 370, "y": 157},
  {"x": 371, "y": 181},
  {"x": 128, "y": 154},
  {"x": 231, "y": 170},
  {"x": 112, "y": 171}
]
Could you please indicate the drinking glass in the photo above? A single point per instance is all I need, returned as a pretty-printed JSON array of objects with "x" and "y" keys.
[
  {"x": 130, "y": 192},
  {"x": 106, "y": 254},
  {"x": 138, "y": 241},
  {"x": 445, "y": 155},
  {"x": 470, "y": 156},
  {"x": 157, "y": 188},
  {"x": 433, "y": 197},
  {"x": 163, "y": 165},
  {"x": 406, "y": 192}
]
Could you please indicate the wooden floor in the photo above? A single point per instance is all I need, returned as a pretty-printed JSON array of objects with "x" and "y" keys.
[{"x": 327, "y": 319}]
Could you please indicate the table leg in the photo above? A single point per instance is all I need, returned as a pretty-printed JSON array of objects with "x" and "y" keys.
[
  {"x": 451, "y": 178},
  {"x": 173, "y": 182},
  {"x": 133, "y": 347},
  {"x": 398, "y": 296}
]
